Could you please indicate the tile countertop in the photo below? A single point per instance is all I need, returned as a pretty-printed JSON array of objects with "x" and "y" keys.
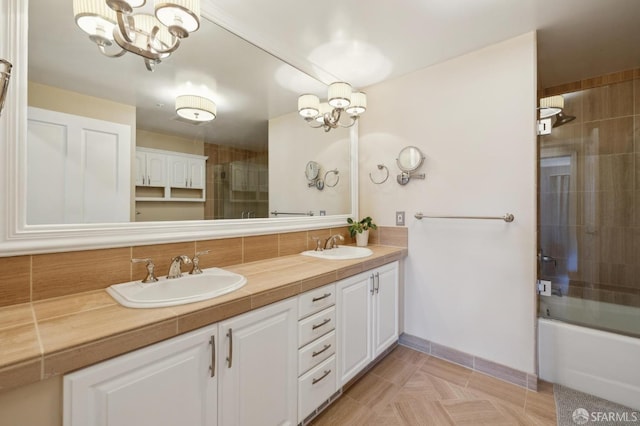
[{"x": 55, "y": 336}]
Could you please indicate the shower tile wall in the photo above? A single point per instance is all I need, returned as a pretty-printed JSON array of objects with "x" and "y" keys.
[
  {"x": 218, "y": 204},
  {"x": 589, "y": 218}
]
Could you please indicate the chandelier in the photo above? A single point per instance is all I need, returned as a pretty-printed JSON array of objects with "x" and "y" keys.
[
  {"x": 341, "y": 98},
  {"x": 154, "y": 37}
]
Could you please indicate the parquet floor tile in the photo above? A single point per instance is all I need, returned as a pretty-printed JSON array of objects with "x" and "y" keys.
[{"x": 409, "y": 388}]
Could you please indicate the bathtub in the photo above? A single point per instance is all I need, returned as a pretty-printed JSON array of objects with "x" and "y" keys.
[{"x": 593, "y": 361}]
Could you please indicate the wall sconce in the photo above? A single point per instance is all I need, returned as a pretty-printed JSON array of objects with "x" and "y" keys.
[
  {"x": 5, "y": 75},
  {"x": 152, "y": 37},
  {"x": 195, "y": 108},
  {"x": 327, "y": 115}
]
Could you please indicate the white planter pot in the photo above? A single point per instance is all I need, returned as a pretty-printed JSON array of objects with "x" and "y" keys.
[{"x": 362, "y": 239}]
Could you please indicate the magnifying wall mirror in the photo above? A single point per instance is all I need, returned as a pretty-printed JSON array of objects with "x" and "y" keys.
[{"x": 409, "y": 160}]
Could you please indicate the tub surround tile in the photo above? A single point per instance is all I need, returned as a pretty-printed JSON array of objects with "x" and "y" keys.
[
  {"x": 61, "y": 274},
  {"x": 15, "y": 287}
]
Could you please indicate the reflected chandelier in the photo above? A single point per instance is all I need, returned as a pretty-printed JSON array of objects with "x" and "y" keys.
[
  {"x": 152, "y": 37},
  {"x": 327, "y": 115}
]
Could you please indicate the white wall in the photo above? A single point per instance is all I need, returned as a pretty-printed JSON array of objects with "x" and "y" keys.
[
  {"x": 469, "y": 284},
  {"x": 292, "y": 144}
]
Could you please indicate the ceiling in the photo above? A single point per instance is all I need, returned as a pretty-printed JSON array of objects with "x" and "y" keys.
[
  {"x": 368, "y": 41},
  {"x": 362, "y": 42}
]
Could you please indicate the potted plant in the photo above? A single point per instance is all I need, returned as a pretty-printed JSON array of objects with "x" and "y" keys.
[{"x": 360, "y": 230}]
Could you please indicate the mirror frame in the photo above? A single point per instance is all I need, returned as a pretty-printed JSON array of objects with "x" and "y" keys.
[{"x": 18, "y": 238}]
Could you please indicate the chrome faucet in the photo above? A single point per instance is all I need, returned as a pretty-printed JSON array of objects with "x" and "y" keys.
[
  {"x": 176, "y": 263},
  {"x": 331, "y": 241}
]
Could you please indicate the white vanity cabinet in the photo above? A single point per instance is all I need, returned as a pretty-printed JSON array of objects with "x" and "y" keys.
[
  {"x": 151, "y": 168},
  {"x": 317, "y": 348},
  {"x": 169, "y": 383},
  {"x": 257, "y": 367},
  {"x": 367, "y": 318},
  {"x": 187, "y": 171}
]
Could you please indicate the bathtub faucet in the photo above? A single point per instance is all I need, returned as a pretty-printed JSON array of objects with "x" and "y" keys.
[{"x": 556, "y": 291}]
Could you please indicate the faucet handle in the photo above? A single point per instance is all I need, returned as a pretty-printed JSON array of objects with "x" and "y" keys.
[
  {"x": 151, "y": 269},
  {"x": 196, "y": 262},
  {"x": 318, "y": 243}
]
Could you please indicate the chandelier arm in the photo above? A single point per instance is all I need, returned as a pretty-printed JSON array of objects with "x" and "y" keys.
[
  {"x": 354, "y": 118},
  {"x": 152, "y": 38},
  {"x": 110, "y": 55},
  {"x": 124, "y": 27}
]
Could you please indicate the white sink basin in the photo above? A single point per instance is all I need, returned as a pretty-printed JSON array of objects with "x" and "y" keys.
[
  {"x": 340, "y": 253},
  {"x": 213, "y": 282}
]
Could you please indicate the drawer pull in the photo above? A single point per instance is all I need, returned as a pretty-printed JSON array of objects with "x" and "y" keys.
[
  {"x": 326, "y": 373},
  {"x": 315, "y": 299},
  {"x": 321, "y": 324},
  {"x": 315, "y": 354}
]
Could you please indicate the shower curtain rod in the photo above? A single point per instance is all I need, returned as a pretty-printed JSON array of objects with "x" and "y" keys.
[{"x": 508, "y": 217}]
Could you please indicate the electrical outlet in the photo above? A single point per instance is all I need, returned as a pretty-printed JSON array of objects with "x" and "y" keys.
[{"x": 399, "y": 218}]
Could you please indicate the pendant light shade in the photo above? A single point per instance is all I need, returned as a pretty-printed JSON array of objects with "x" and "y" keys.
[
  {"x": 195, "y": 108},
  {"x": 339, "y": 94}
]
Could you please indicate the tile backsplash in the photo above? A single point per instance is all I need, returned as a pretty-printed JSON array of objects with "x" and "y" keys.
[{"x": 43, "y": 276}]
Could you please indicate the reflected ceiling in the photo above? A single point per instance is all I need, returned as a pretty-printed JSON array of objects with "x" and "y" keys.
[{"x": 248, "y": 85}]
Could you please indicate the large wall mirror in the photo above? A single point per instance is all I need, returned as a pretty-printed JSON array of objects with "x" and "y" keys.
[{"x": 248, "y": 163}]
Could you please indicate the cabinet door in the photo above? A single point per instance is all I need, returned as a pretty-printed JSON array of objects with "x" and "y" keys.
[
  {"x": 258, "y": 367},
  {"x": 179, "y": 167},
  {"x": 385, "y": 309},
  {"x": 354, "y": 325},
  {"x": 141, "y": 168},
  {"x": 169, "y": 383},
  {"x": 238, "y": 177},
  {"x": 156, "y": 165},
  {"x": 197, "y": 173}
]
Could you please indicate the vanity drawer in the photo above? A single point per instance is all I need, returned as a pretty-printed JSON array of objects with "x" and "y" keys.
[
  {"x": 316, "y": 325},
  {"x": 316, "y": 300},
  {"x": 316, "y": 386},
  {"x": 316, "y": 352}
]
